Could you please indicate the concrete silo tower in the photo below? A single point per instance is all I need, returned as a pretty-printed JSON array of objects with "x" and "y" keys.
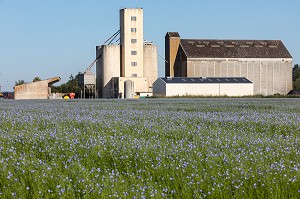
[
  {"x": 131, "y": 38},
  {"x": 133, "y": 59}
]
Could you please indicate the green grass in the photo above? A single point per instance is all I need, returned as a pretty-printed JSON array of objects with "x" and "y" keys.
[{"x": 150, "y": 148}]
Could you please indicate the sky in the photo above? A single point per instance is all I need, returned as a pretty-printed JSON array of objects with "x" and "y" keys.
[{"x": 57, "y": 38}]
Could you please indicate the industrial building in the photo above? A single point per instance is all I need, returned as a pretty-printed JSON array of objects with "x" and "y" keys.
[
  {"x": 134, "y": 60},
  {"x": 185, "y": 86},
  {"x": 266, "y": 63},
  {"x": 35, "y": 90}
]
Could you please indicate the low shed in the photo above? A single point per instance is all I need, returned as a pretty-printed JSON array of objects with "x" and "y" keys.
[
  {"x": 210, "y": 86},
  {"x": 35, "y": 90}
]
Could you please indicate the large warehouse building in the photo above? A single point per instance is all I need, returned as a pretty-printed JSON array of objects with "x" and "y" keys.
[
  {"x": 133, "y": 61},
  {"x": 266, "y": 63}
]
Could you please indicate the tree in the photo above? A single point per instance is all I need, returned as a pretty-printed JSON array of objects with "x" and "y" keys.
[
  {"x": 70, "y": 87},
  {"x": 36, "y": 79},
  {"x": 296, "y": 77},
  {"x": 19, "y": 82},
  {"x": 296, "y": 72}
]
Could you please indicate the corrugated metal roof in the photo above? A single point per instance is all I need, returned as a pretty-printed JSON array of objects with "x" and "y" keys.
[
  {"x": 205, "y": 80},
  {"x": 198, "y": 48}
]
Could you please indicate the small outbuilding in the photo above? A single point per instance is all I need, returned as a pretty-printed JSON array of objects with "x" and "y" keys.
[
  {"x": 202, "y": 86},
  {"x": 35, "y": 90}
]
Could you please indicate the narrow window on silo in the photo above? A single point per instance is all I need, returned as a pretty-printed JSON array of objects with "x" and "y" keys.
[
  {"x": 133, "y": 29},
  {"x": 134, "y": 63},
  {"x": 133, "y": 41},
  {"x": 133, "y": 18},
  {"x": 133, "y": 52}
]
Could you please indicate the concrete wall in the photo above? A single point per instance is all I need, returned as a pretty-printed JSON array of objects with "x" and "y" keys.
[
  {"x": 35, "y": 90},
  {"x": 150, "y": 65},
  {"x": 171, "y": 45},
  {"x": 140, "y": 84},
  {"x": 269, "y": 76},
  {"x": 126, "y": 36},
  {"x": 108, "y": 66}
]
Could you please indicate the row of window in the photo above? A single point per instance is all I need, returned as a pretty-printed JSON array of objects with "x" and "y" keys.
[{"x": 133, "y": 41}]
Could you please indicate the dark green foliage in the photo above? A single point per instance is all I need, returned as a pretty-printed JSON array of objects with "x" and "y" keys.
[
  {"x": 70, "y": 87},
  {"x": 36, "y": 79},
  {"x": 19, "y": 82},
  {"x": 296, "y": 77}
]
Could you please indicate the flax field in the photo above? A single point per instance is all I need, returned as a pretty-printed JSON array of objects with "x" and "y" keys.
[{"x": 150, "y": 148}]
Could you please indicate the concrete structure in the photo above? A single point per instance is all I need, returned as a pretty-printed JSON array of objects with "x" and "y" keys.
[
  {"x": 266, "y": 63},
  {"x": 182, "y": 86},
  {"x": 87, "y": 83},
  {"x": 35, "y": 90},
  {"x": 172, "y": 41},
  {"x": 132, "y": 41},
  {"x": 134, "y": 59}
]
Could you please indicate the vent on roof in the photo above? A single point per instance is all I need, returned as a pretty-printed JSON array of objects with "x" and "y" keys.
[
  {"x": 191, "y": 42},
  {"x": 244, "y": 46},
  {"x": 215, "y": 46},
  {"x": 263, "y": 43},
  {"x": 229, "y": 46},
  {"x": 220, "y": 42},
  {"x": 206, "y": 42},
  {"x": 259, "y": 46},
  {"x": 200, "y": 46},
  {"x": 273, "y": 46},
  {"x": 235, "y": 43},
  {"x": 249, "y": 42}
]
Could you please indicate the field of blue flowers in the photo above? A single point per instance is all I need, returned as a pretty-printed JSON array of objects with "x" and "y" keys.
[{"x": 150, "y": 148}]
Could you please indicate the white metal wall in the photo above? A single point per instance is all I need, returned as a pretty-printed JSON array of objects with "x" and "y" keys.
[{"x": 160, "y": 88}]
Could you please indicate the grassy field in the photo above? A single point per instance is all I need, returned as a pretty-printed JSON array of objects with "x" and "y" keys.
[{"x": 150, "y": 148}]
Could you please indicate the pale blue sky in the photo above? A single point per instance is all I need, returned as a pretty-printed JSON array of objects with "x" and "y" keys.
[{"x": 50, "y": 38}]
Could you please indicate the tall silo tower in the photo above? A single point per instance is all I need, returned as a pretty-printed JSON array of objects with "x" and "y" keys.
[{"x": 131, "y": 40}]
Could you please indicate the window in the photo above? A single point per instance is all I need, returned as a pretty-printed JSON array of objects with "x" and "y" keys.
[
  {"x": 133, "y": 41},
  {"x": 133, "y": 52},
  {"x": 134, "y": 75},
  {"x": 133, "y": 18},
  {"x": 134, "y": 63},
  {"x": 133, "y": 29}
]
